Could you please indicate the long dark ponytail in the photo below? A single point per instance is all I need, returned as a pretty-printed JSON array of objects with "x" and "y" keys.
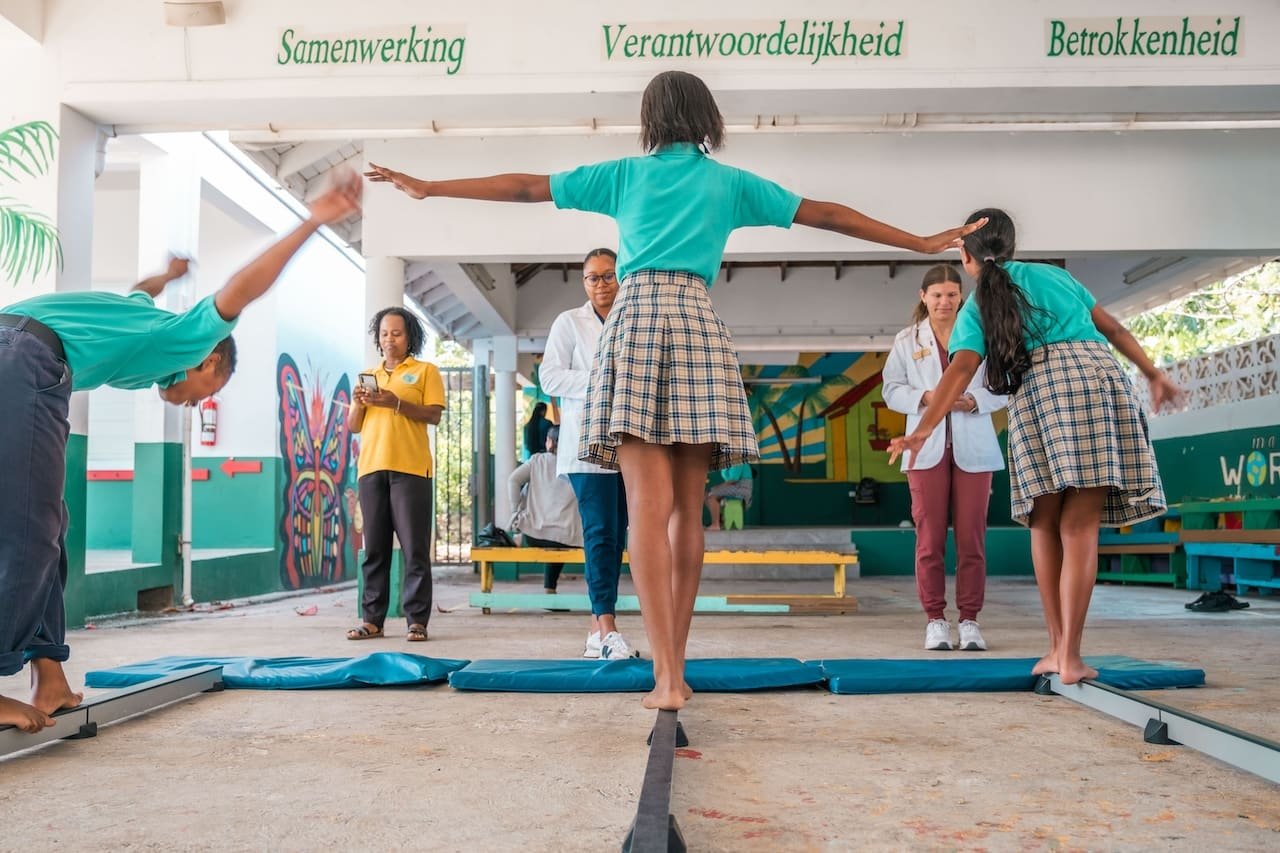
[{"x": 1006, "y": 313}]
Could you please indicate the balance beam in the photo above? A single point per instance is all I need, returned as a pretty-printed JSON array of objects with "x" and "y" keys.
[
  {"x": 83, "y": 721},
  {"x": 1162, "y": 724},
  {"x": 654, "y": 829}
]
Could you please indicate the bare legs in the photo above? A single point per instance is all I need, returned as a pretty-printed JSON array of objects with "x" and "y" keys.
[
  {"x": 1064, "y": 550},
  {"x": 664, "y": 502},
  {"x": 713, "y": 505}
]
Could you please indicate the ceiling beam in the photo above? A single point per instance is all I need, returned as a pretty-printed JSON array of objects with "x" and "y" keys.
[{"x": 303, "y": 155}]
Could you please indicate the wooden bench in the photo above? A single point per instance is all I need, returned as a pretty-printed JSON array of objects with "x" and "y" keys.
[
  {"x": 1244, "y": 533},
  {"x": 836, "y": 602},
  {"x": 1135, "y": 551}
]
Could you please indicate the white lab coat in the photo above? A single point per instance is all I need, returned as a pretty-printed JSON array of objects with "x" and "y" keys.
[
  {"x": 906, "y": 378},
  {"x": 565, "y": 371}
]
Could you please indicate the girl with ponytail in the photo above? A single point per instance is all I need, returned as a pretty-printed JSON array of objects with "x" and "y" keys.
[{"x": 1080, "y": 455}]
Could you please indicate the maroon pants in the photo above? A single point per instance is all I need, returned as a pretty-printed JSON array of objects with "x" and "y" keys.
[{"x": 941, "y": 492}]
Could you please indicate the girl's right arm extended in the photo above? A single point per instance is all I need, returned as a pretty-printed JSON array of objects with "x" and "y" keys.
[{"x": 509, "y": 187}]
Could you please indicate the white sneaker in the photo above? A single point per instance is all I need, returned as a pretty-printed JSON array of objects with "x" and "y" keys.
[
  {"x": 937, "y": 635},
  {"x": 614, "y": 647},
  {"x": 593, "y": 645},
  {"x": 971, "y": 638}
]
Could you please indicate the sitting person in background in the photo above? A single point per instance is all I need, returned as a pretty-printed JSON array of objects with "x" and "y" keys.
[
  {"x": 535, "y": 430},
  {"x": 736, "y": 483},
  {"x": 543, "y": 507}
]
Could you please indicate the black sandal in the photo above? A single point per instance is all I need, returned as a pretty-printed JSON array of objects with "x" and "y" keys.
[
  {"x": 367, "y": 631},
  {"x": 417, "y": 633}
]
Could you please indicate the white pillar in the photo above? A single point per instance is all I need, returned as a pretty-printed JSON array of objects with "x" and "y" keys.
[
  {"x": 168, "y": 224},
  {"x": 384, "y": 288},
  {"x": 504, "y": 427}
]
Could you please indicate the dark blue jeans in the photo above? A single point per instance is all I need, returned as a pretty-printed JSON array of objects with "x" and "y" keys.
[
  {"x": 35, "y": 393},
  {"x": 602, "y": 503}
]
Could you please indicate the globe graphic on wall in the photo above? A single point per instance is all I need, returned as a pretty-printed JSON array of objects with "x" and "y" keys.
[{"x": 1255, "y": 468}]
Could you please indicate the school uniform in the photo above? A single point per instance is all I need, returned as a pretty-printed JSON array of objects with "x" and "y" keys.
[
  {"x": 666, "y": 370},
  {"x": 1075, "y": 422},
  {"x": 950, "y": 477},
  {"x": 50, "y": 346}
]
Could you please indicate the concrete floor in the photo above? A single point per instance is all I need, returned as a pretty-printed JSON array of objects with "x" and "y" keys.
[{"x": 437, "y": 769}]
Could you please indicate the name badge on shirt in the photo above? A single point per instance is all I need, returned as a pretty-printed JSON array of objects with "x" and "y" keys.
[
  {"x": 410, "y": 378},
  {"x": 921, "y": 353}
]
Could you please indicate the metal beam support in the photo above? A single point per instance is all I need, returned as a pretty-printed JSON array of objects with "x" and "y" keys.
[
  {"x": 84, "y": 721},
  {"x": 655, "y": 829},
  {"x": 1163, "y": 724}
]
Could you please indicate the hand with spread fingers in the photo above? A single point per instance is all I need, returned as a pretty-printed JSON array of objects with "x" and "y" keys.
[
  {"x": 907, "y": 444},
  {"x": 341, "y": 200},
  {"x": 949, "y": 239},
  {"x": 1163, "y": 392},
  {"x": 407, "y": 184}
]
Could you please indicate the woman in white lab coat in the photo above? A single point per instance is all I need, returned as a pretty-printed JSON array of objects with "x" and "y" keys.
[{"x": 950, "y": 478}]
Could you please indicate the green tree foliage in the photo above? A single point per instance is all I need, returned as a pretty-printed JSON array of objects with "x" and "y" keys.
[{"x": 1239, "y": 309}]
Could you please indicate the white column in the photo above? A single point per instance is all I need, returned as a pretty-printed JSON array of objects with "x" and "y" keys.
[
  {"x": 384, "y": 288},
  {"x": 504, "y": 427},
  {"x": 168, "y": 224}
]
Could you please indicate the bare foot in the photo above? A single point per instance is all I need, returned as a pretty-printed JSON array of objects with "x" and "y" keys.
[
  {"x": 686, "y": 690},
  {"x": 1075, "y": 669},
  {"x": 22, "y": 715},
  {"x": 1047, "y": 665},
  {"x": 664, "y": 700},
  {"x": 50, "y": 691}
]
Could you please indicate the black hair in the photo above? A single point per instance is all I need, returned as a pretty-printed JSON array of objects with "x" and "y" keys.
[
  {"x": 936, "y": 275},
  {"x": 601, "y": 253},
  {"x": 1006, "y": 314},
  {"x": 678, "y": 107},
  {"x": 412, "y": 327},
  {"x": 226, "y": 348},
  {"x": 539, "y": 410}
]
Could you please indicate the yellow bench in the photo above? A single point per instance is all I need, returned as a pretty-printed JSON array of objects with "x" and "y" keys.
[{"x": 837, "y": 601}]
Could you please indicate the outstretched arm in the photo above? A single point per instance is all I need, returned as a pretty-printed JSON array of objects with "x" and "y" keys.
[
  {"x": 509, "y": 187},
  {"x": 154, "y": 285},
  {"x": 830, "y": 216},
  {"x": 250, "y": 283},
  {"x": 1161, "y": 386},
  {"x": 964, "y": 364}
]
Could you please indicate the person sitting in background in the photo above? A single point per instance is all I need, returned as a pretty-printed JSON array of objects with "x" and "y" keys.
[
  {"x": 543, "y": 506},
  {"x": 735, "y": 483}
]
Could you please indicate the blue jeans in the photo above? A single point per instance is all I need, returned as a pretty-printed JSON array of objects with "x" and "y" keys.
[
  {"x": 35, "y": 387},
  {"x": 602, "y": 503}
]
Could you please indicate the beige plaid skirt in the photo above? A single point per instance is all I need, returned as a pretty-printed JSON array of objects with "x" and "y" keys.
[
  {"x": 666, "y": 372},
  {"x": 1075, "y": 423}
]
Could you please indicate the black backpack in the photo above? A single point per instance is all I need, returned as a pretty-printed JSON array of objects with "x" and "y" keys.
[
  {"x": 868, "y": 491},
  {"x": 493, "y": 536}
]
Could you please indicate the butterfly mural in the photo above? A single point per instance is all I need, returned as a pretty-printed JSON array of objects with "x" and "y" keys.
[{"x": 316, "y": 450}]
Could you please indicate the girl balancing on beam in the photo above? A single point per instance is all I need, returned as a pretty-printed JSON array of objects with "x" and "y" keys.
[
  {"x": 665, "y": 400},
  {"x": 1080, "y": 453}
]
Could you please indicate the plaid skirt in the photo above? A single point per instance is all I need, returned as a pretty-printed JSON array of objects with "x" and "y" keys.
[
  {"x": 666, "y": 371},
  {"x": 1075, "y": 423}
]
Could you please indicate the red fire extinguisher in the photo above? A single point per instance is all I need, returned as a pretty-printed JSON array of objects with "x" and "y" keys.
[{"x": 208, "y": 422}]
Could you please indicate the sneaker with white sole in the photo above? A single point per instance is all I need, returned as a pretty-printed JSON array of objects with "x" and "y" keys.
[
  {"x": 614, "y": 647},
  {"x": 593, "y": 645},
  {"x": 937, "y": 635},
  {"x": 971, "y": 638}
]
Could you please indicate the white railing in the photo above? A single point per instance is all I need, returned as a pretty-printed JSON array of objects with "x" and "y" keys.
[{"x": 1242, "y": 372}]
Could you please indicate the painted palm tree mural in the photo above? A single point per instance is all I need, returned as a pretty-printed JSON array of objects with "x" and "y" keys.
[
  {"x": 29, "y": 243},
  {"x": 817, "y": 412}
]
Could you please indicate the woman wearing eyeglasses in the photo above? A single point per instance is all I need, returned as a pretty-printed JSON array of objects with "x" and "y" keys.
[{"x": 602, "y": 502}]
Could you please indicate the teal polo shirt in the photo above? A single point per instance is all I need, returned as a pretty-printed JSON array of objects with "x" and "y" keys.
[
  {"x": 125, "y": 341},
  {"x": 675, "y": 208},
  {"x": 736, "y": 473},
  {"x": 1065, "y": 310}
]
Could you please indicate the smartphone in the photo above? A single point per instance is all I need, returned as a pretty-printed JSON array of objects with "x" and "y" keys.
[{"x": 368, "y": 381}]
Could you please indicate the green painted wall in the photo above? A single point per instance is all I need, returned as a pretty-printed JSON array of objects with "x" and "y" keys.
[
  {"x": 236, "y": 576},
  {"x": 891, "y": 551},
  {"x": 75, "y": 497},
  {"x": 157, "y": 502},
  {"x": 109, "y": 514},
  {"x": 1243, "y": 462},
  {"x": 236, "y": 511}
]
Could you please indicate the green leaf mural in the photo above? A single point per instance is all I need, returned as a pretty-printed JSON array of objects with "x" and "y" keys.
[{"x": 29, "y": 244}]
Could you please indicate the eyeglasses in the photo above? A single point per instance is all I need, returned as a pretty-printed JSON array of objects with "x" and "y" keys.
[{"x": 595, "y": 280}]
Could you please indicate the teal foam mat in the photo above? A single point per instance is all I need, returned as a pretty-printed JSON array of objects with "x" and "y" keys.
[{"x": 381, "y": 669}]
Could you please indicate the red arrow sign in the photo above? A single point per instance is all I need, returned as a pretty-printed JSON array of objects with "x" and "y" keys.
[{"x": 231, "y": 467}]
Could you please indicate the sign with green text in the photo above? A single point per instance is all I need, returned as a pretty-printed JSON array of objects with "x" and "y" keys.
[
  {"x": 431, "y": 46},
  {"x": 1142, "y": 36},
  {"x": 811, "y": 40}
]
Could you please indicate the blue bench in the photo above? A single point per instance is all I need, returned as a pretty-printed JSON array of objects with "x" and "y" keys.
[{"x": 1254, "y": 566}]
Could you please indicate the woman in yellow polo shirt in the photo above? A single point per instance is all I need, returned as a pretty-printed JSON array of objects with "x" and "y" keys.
[{"x": 395, "y": 469}]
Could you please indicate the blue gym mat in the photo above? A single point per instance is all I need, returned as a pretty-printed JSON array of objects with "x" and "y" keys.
[
  {"x": 710, "y": 675},
  {"x": 953, "y": 674},
  {"x": 381, "y": 669}
]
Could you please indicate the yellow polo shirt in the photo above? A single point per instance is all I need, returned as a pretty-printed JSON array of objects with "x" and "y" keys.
[{"x": 392, "y": 442}]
